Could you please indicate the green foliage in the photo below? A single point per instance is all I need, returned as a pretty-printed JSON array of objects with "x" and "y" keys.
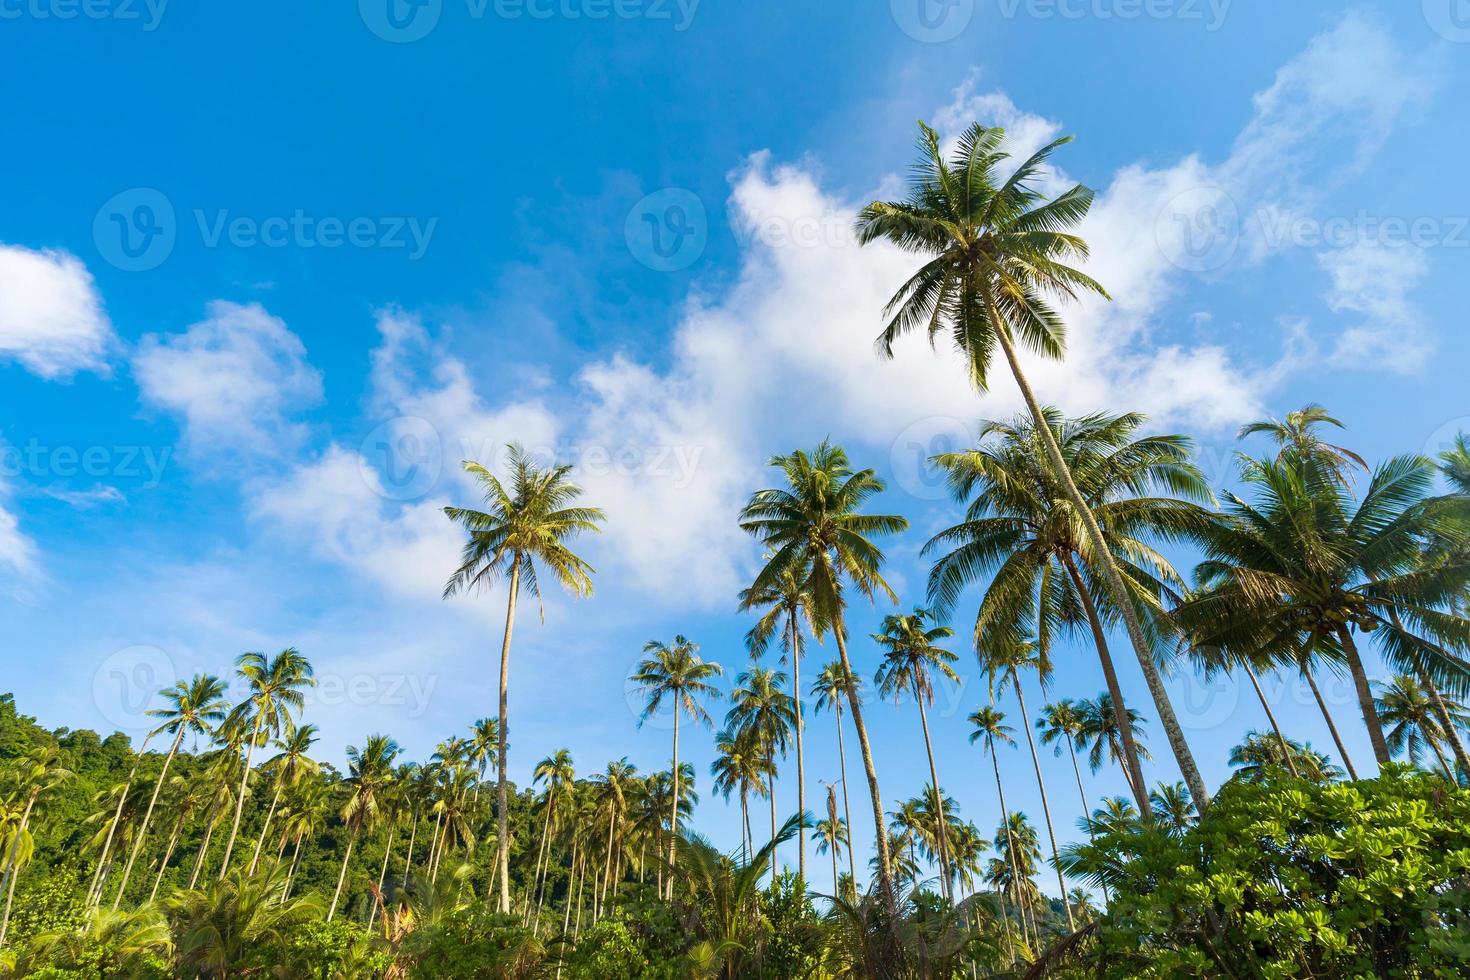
[
  {"x": 471, "y": 945},
  {"x": 607, "y": 951},
  {"x": 1293, "y": 878}
]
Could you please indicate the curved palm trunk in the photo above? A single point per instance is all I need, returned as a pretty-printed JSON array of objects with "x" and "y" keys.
[
  {"x": 1005, "y": 817},
  {"x": 203, "y": 849},
  {"x": 1446, "y": 721},
  {"x": 1439, "y": 754},
  {"x": 147, "y": 817},
  {"x": 940, "y": 833},
  {"x": 1347, "y": 760},
  {"x": 1365, "y": 697},
  {"x": 383, "y": 873},
  {"x": 94, "y": 893},
  {"x": 1111, "y": 575},
  {"x": 295, "y": 863},
  {"x": 536, "y": 868},
  {"x": 224, "y": 866},
  {"x": 269, "y": 816},
  {"x": 885, "y": 859},
  {"x": 502, "y": 804},
  {"x": 800, "y": 753},
  {"x": 168, "y": 852},
  {"x": 1286, "y": 751},
  {"x": 12, "y": 862},
  {"x": 1045, "y": 805},
  {"x": 846, "y": 806},
  {"x": 1131, "y": 762},
  {"x": 342, "y": 875}
]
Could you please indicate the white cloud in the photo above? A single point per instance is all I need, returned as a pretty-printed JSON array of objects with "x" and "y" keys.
[
  {"x": 89, "y": 498},
  {"x": 51, "y": 317},
  {"x": 234, "y": 379},
  {"x": 17, "y": 551},
  {"x": 1374, "y": 281}
]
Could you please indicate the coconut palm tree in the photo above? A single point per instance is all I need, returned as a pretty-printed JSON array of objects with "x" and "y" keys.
[
  {"x": 528, "y": 520},
  {"x": 1258, "y": 753},
  {"x": 990, "y": 727},
  {"x": 1061, "y": 722},
  {"x": 1306, "y": 566},
  {"x": 36, "y": 773},
  {"x": 1173, "y": 807},
  {"x": 830, "y": 692},
  {"x": 275, "y": 694},
  {"x": 1295, "y": 436},
  {"x": 741, "y": 765},
  {"x": 787, "y": 605},
  {"x": 1409, "y": 714},
  {"x": 912, "y": 662},
  {"x": 369, "y": 773},
  {"x": 185, "y": 797},
  {"x": 676, "y": 673},
  {"x": 291, "y": 765},
  {"x": 814, "y": 527},
  {"x": 1022, "y": 538},
  {"x": 222, "y": 927},
  {"x": 558, "y": 773},
  {"x": 831, "y": 837},
  {"x": 996, "y": 252},
  {"x": 484, "y": 742},
  {"x": 1099, "y": 733},
  {"x": 760, "y": 707}
]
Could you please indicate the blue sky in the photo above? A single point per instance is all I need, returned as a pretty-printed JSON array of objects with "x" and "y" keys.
[{"x": 268, "y": 271}]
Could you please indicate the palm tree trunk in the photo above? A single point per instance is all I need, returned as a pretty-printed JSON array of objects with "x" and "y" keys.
[
  {"x": 12, "y": 862},
  {"x": 846, "y": 806},
  {"x": 1446, "y": 721},
  {"x": 1286, "y": 751},
  {"x": 502, "y": 802},
  {"x": 674, "y": 816},
  {"x": 1131, "y": 761},
  {"x": 1347, "y": 760},
  {"x": 1111, "y": 575},
  {"x": 240, "y": 797},
  {"x": 885, "y": 860},
  {"x": 260, "y": 841},
  {"x": 413, "y": 834},
  {"x": 168, "y": 852},
  {"x": 836, "y": 888},
  {"x": 599, "y": 887},
  {"x": 147, "y": 816},
  {"x": 1439, "y": 754},
  {"x": 800, "y": 753},
  {"x": 540, "y": 851},
  {"x": 940, "y": 835},
  {"x": 295, "y": 863},
  {"x": 1365, "y": 697},
  {"x": 383, "y": 872},
  {"x": 203, "y": 850},
  {"x": 342, "y": 875},
  {"x": 94, "y": 893},
  {"x": 745, "y": 842},
  {"x": 1045, "y": 805}
]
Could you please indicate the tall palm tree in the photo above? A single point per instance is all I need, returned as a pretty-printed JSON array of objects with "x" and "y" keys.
[
  {"x": 1098, "y": 733},
  {"x": 830, "y": 692},
  {"x": 1004, "y": 658},
  {"x": 912, "y": 662},
  {"x": 193, "y": 706},
  {"x": 275, "y": 694},
  {"x": 1061, "y": 722},
  {"x": 787, "y": 605},
  {"x": 1022, "y": 537},
  {"x": 527, "y": 520},
  {"x": 814, "y": 527},
  {"x": 1306, "y": 566},
  {"x": 291, "y": 765},
  {"x": 760, "y": 707},
  {"x": 1409, "y": 713},
  {"x": 741, "y": 765},
  {"x": 990, "y": 727},
  {"x": 369, "y": 772},
  {"x": 675, "y": 672},
  {"x": 996, "y": 252}
]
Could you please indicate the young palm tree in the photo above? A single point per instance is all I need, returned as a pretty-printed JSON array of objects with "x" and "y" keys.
[
  {"x": 1022, "y": 537},
  {"x": 192, "y": 707},
  {"x": 530, "y": 520},
  {"x": 830, "y": 691},
  {"x": 675, "y": 672},
  {"x": 1409, "y": 713},
  {"x": 291, "y": 765},
  {"x": 787, "y": 605},
  {"x": 912, "y": 661},
  {"x": 1099, "y": 733},
  {"x": 814, "y": 528},
  {"x": 370, "y": 771},
  {"x": 761, "y": 708},
  {"x": 996, "y": 253},
  {"x": 275, "y": 694},
  {"x": 1307, "y": 567}
]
